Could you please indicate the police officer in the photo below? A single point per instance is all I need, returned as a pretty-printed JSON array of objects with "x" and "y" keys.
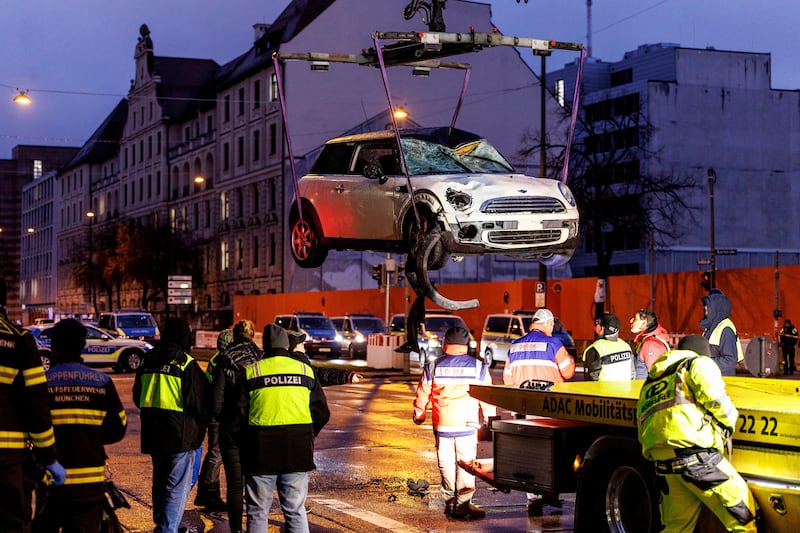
[
  {"x": 87, "y": 414},
  {"x": 444, "y": 385},
  {"x": 24, "y": 421},
  {"x": 283, "y": 409},
  {"x": 609, "y": 358},
  {"x": 208, "y": 489},
  {"x": 718, "y": 328},
  {"x": 788, "y": 342},
  {"x": 170, "y": 391},
  {"x": 686, "y": 420}
]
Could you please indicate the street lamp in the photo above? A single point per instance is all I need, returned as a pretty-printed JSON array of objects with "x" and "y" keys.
[
  {"x": 22, "y": 98},
  {"x": 92, "y": 291},
  {"x": 712, "y": 177}
]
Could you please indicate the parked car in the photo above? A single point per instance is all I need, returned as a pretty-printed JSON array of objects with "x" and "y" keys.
[
  {"x": 354, "y": 329},
  {"x": 501, "y": 329},
  {"x": 102, "y": 349},
  {"x": 462, "y": 185},
  {"x": 432, "y": 332},
  {"x": 321, "y": 336},
  {"x": 134, "y": 324}
]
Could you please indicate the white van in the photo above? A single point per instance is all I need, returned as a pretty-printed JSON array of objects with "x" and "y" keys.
[{"x": 500, "y": 330}]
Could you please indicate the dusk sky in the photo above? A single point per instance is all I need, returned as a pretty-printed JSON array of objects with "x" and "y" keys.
[{"x": 76, "y": 58}]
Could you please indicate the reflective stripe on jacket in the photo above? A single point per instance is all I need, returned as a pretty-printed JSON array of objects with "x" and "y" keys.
[
  {"x": 444, "y": 384},
  {"x": 279, "y": 390},
  {"x": 162, "y": 387},
  {"x": 537, "y": 356},
  {"x": 683, "y": 404},
  {"x": 615, "y": 359}
]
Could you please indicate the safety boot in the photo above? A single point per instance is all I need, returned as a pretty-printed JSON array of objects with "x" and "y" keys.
[{"x": 468, "y": 511}]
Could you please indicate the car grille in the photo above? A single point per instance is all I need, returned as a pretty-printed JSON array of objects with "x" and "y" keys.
[
  {"x": 524, "y": 237},
  {"x": 523, "y": 204}
]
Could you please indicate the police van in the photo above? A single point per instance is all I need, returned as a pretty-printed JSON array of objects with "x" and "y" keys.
[
  {"x": 500, "y": 330},
  {"x": 131, "y": 324}
]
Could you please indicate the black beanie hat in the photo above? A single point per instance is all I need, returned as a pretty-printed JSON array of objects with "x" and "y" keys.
[
  {"x": 177, "y": 331},
  {"x": 610, "y": 323},
  {"x": 457, "y": 335},
  {"x": 67, "y": 339},
  {"x": 696, "y": 343}
]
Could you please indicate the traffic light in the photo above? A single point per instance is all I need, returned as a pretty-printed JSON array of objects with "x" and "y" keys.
[
  {"x": 401, "y": 268},
  {"x": 705, "y": 280},
  {"x": 377, "y": 274}
]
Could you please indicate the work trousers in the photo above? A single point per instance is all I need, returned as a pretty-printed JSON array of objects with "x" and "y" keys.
[
  {"x": 64, "y": 512},
  {"x": 15, "y": 493},
  {"x": 788, "y": 358},
  {"x": 729, "y": 499},
  {"x": 456, "y": 482}
]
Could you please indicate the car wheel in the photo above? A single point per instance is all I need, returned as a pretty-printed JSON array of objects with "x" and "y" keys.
[
  {"x": 130, "y": 360},
  {"x": 556, "y": 260},
  {"x": 438, "y": 257},
  {"x": 306, "y": 241},
  {"x": 46, "y": 360},
  {"x": 488, "y": 358}
]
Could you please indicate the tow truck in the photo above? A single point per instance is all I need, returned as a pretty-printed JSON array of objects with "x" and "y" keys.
[{"x": 581, "y": 438}]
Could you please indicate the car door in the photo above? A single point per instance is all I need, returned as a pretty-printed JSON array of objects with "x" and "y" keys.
[{"x": 365, "y": 208}]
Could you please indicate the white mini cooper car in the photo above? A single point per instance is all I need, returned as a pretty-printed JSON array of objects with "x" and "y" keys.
[{"x": 357, "y": 197}]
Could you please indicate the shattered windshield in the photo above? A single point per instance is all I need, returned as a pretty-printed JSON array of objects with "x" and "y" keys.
[{"x": 427, "y": 157}]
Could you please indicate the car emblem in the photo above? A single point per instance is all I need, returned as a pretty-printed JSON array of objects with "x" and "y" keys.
[{"x": 522, "y": 191}]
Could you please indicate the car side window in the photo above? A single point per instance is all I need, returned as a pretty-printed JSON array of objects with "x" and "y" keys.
[
  {"x": 373, "y": 154},
  {"x": 516, "y": 327},
  {"x": 497, "y": 324}
]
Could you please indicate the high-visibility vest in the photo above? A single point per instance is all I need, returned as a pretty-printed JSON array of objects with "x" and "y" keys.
[
  {"x": 279, "y": 388},
  {"x": 616, "y": 360},
  {"x": 162, "y": 388},
  {"x": 716, "y": 335}
]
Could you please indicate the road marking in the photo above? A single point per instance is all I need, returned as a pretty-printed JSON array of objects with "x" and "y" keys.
[{"x": 366, "y": 516}]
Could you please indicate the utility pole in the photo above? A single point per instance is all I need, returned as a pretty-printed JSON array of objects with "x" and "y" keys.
[{"x": 712, "y": 177}]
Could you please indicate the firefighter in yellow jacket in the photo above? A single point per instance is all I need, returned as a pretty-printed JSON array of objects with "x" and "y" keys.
[
  {"x": 685, "y": 420},
  {"x": 24, "y": 419}
]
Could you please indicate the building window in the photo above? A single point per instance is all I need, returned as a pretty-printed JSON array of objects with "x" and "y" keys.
[
  {"x": 272, "y": 249},
  {"x": 622, "y": 77},
  {"x": 254, "y": 197},
  {"x": 273, "y": 87},
  {"x": 239, "y": 203},
  {"x": 273, "y": 195},
  {"x": 158, "y": 183},
  {"x": 149, "y": 146},
  {"x": 227, "y": 109},
  {"x": 223, "y": 256},
  {"x": 239, "y": 254},
  {"x": 224, "y": 207},
  {"x": 226, "y": 156},
  {"x": 209, "y": 124},
  {"x": 208, "y": 213},
  {"x": 158, "y": 143},
  {"x": 241, "y": 101},
  {"x": 256, "y": 94},
  {"x": 560, "y": 92},
  {"x": 273, "y": 139},
  {"x": 37, "y": 169},
  {"x": 256, "y": 145},
  {"x": 255, "y": 251},
  {"x": 240, "y": 151}
]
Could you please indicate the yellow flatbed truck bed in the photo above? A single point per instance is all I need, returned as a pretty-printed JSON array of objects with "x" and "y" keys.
[{"x": 766, "y": 447}]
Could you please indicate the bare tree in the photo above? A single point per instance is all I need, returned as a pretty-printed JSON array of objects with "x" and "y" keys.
[{"x": 620, "y": 199}]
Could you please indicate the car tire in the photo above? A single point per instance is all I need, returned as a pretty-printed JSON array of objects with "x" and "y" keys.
[
  {"x": 130, "y": 360},
  {"x": 306, "y": 241},
  {"x": 556, "y": 260},
  {"x": 47, "y": 360},
  {"x": 438, "y": 257},
  {"x": 488, "y": 358}
]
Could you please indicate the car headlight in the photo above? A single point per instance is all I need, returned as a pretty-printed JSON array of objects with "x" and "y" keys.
[
  {"x": 473, "y": 344},
  {"x": 434, "y": 343},
  {"x": 338, "y": 338},
  {"x": 458, "y": 199},
  {"x": 148, "y": 346},
  {"x": 566, "y": 193},
  {"x": 360, "y": 338}
]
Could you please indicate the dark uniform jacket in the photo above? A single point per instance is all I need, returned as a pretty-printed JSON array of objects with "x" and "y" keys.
[
  {"x": 87, "y": 414},
  {"x": 171, "y": 424},
  {"x": 280, "y": 448},
  {"x": 23, "y": 394},
  {"x": 230, "y": 364}
]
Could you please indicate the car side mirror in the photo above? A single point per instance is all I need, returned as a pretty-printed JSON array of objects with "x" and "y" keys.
[{"x": 375, "y": 172}]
